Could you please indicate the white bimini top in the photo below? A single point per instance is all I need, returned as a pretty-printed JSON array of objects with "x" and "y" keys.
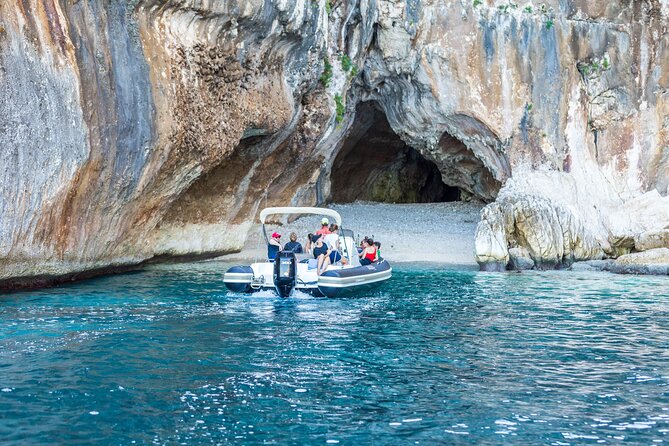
[{"x": 300, "y": 210}]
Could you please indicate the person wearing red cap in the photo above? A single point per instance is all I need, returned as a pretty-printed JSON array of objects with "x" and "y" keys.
[{"x": 274, "y": 246}]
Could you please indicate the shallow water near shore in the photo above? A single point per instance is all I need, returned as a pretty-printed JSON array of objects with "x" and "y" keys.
[{"x": 436, "y": 356}]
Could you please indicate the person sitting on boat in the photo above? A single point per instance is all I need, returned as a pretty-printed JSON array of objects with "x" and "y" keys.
[
  {"x": 369, "y": 254},
  {"x": 321, "y": 252},
  {"x": 274, "y": 246},
  {"x": 362, "y": 244},
  {"x": 308, "y": 247},
  {"x": 324, "y": 230},
  {"x": 378, "y": 250},
  {"x": 293, "y": 244},
  {"x": 332, "y": 240}
]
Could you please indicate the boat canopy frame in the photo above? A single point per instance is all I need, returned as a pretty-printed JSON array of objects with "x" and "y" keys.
[{"x": 300, "y": 210}]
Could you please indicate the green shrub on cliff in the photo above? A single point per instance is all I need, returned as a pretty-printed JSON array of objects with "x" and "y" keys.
[
  {"x": 327, "y": 72},
  {"x": 328, "y": 7},
  {"x": 340, "y": 108},
  {"x": 476, "y": 3},
  {"x": 348, "y": 66},
  {"x": 595, "y": 67},
  {"x": 505, "y": 8},
  {"x": 346, "y": 63}
]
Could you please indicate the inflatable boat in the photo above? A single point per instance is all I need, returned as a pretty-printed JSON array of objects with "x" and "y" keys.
[{"x": 289, "y": 271}]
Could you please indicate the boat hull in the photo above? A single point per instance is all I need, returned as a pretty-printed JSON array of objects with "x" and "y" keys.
[
  {"x": 332, "y": 283},
  {"x": 238, "y": 279},
  {"x": 344, "y": 281}
]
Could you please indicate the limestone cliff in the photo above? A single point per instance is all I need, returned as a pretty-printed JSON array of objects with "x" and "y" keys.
[{"x": 141, "y": 128}]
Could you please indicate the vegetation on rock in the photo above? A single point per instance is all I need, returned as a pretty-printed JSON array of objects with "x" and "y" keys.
[
  {"x": 346, "y": 63},
  {"x": 340, "y": 108},
  {"x": 326, "y": 77},
  {"x": 595, "y": 67}
]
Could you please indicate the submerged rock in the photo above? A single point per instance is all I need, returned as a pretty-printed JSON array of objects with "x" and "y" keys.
[{"x": 592, "y": 265}]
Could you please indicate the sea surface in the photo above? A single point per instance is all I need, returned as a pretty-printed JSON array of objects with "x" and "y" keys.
[{"x": 436, "y": 356}]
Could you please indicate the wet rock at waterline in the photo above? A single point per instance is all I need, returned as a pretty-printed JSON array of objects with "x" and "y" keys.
[
  {"x": 519, "y": 259},
  {"x": 135, "y": 129},
  {"x": 654, "y": 261}
]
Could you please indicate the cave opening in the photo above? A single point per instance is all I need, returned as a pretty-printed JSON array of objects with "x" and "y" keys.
[{"x": 375, "y": 164}]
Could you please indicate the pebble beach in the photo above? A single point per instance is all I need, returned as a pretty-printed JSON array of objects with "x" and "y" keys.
[{"x": 431, "y": 232}]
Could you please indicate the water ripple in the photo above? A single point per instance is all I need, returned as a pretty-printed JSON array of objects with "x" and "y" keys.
[{"x": 439, "y": 357}]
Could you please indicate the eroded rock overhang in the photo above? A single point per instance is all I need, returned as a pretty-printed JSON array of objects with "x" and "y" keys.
[{"x": 137, "y": 129}]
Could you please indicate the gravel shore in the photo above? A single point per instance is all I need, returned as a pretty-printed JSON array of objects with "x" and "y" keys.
[{"x": 433, "y": 232}]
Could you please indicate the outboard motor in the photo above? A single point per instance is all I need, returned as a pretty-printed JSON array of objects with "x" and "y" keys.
[{"x": 285, "y": 273}]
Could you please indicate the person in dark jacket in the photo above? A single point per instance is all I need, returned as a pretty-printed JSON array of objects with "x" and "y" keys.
[{"x": 293, "y": 244}]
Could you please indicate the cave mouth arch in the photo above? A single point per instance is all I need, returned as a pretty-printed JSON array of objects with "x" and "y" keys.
[{"x": 374, "y": 164}]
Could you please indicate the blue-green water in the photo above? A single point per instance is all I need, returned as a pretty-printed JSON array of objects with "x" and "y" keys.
[{"x": 168, "y": 356}]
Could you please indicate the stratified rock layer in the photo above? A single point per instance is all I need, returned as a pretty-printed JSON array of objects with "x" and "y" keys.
[{"x": 142, "y": 128}]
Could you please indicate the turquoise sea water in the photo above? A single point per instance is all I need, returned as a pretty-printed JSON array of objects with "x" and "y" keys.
[{"x": 169, "y": 356}]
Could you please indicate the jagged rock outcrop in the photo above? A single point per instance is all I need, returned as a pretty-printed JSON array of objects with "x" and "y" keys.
[
  {"x": 550, "y": 234},
  {"x": 140, "y": 128}
]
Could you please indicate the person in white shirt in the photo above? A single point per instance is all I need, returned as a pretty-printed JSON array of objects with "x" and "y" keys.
[{"x": 332, "y": 240}]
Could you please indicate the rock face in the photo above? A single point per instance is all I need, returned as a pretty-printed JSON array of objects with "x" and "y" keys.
[{"x": 140, "y": 128}]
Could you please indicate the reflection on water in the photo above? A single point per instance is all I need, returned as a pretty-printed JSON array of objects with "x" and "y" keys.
[{"x": 170, "y": 356}]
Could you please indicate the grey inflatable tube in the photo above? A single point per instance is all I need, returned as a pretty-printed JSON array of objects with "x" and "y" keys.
[{"x": 346, "y": 279}]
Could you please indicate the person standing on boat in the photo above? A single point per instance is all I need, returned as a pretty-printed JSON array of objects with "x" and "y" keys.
[
  {"x": 332, "y": 240},
  {"x": 274, "y": 246},
  {"x": 324, "y": 230},
  {"x": 369, "y": 254},
  {"x": 293, "y": 244}
]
